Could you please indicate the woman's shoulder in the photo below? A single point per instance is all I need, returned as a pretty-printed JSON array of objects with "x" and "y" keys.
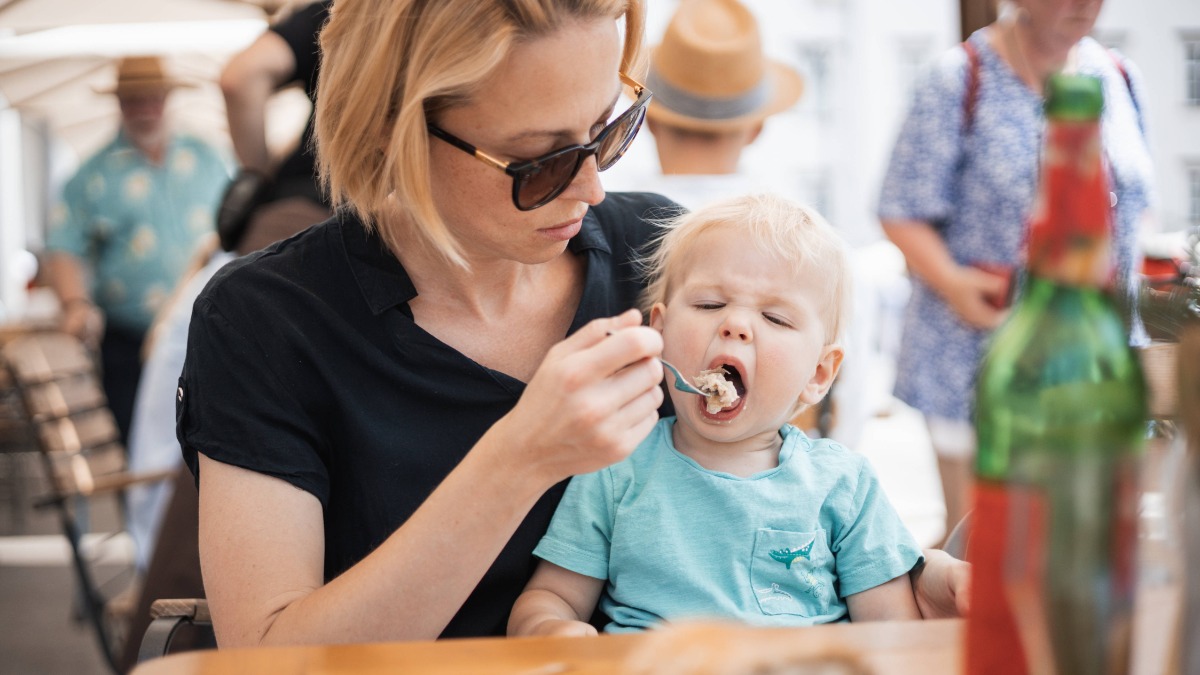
[
  {"x": 947, "y": 73},
  {"x": 303, "y": 263},
  {"x": 1108, "y": 63},
  {"x": 834, "y": 458}
]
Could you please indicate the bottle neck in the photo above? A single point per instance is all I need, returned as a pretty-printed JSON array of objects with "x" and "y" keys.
[{"x": 1070, "y": 231}]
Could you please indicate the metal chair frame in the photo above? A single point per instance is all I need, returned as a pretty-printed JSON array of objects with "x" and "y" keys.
[{"x": 168, "y": 617}]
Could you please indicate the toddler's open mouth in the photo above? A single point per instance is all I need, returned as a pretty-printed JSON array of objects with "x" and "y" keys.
[{"x": 722, "y": 387}]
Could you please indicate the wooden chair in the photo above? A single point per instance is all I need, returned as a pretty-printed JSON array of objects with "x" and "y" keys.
[{"x": 77, "y": 438}]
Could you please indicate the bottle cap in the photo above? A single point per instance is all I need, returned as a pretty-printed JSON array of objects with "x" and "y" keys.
[{"x": 1077, "y": 98}]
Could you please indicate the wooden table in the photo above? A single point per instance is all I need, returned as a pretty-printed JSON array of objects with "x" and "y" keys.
[
  {"x": 896, "y": 648},
  {"x": 903, "y": 647}
]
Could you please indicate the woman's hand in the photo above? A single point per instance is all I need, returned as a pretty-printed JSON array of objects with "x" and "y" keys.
[
  {"x": 942, "y": 586},
  {"x": 974, "y": 295},
  {"x": 592, "y": 400},
  {"x": 971, "y": 292}
]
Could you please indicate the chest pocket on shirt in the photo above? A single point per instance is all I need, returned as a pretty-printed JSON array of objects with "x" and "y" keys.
[{"x": 792, "y": 572}]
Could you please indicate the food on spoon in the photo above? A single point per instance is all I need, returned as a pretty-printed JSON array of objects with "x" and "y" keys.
[{"x": 718, "y": 391}]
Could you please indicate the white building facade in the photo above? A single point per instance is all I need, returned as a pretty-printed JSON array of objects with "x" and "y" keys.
[
  {"x": 859, "y": 57},
  {"x": 1163, "y": 38}
]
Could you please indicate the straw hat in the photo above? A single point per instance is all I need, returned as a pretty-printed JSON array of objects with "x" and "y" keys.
[
  {"x": 710, "y": 74},
  {"x": 142, "y": 75}
]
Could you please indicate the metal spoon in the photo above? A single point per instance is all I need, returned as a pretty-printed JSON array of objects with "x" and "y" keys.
[{"x": 681, "y": 382}]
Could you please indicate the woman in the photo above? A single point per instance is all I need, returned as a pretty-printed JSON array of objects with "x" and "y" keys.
[
  {"x": 403, "y": 364},
  {"x": 961, "y": 184}
]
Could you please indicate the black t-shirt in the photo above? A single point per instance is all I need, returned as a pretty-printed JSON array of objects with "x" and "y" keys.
[
  {"x": 304, "y": 363},
  {"x": 297, "y": 174}
]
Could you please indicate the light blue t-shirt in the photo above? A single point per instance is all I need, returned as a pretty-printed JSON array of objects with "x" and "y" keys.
[
  {"x": 783, "y": 547},
  {"x": 136, "y": 224}
]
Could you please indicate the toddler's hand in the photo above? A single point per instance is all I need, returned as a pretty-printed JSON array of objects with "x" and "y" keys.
[{"x": 564, "y": 628}]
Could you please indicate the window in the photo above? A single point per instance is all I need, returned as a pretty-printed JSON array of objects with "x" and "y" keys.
[
  {"x": 1194, "y": 195},
  {"x": 1192, "y": 71},
  {"x": 815, "y": 64}
]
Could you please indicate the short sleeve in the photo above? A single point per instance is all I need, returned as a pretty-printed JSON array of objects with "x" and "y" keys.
[
  {"x": 580, "y": 534},
  {"x": 920, "y": 180},
  {"x": 872, "y": 546},
  {"x": 232, "y": 407},
  {"x": 68, "y": 227}
]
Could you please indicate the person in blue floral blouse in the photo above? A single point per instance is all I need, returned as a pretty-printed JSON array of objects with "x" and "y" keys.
[{"x": 961, "y": 183}]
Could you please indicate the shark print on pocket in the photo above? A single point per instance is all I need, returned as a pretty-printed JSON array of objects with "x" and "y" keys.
[
  {"x": 792, "y": 572},
  {"x": 788, "y": 555}
]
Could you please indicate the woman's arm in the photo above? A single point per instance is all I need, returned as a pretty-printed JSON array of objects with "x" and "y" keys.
[
  {"x": 80, "y": 317},
  {"x": 262, "y": 540},
  {"x": 889, "y": 601},
  {"x": 556, "y": 602},
  {"x": 247, "y": 82},
  {"x": 969, "y": 291},
  {"x": 263, "y": 554}
]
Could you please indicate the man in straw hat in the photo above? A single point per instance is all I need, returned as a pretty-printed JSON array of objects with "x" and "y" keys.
[
  {"x": 126, "y": 227},
  {"x": 713, "y": 89}
]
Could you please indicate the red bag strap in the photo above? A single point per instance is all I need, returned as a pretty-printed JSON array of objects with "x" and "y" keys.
[{"x": 972, "y": 94}]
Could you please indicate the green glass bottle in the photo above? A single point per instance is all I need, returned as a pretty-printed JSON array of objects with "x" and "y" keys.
[{"x": 1060, "y": 414}]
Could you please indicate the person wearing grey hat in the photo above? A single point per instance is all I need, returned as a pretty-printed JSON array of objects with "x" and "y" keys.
[
  {"x": 127, "y": 222},
  {"x": 714, "y": 88}
]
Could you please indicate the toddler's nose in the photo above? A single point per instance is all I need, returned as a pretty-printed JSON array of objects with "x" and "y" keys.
[{"x": 734, "y": 328}]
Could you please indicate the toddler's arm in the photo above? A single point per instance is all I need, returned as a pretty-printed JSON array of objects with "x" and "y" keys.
[
  {"x": 556, "y": 601},
  {"x": 892, "y": 600}
]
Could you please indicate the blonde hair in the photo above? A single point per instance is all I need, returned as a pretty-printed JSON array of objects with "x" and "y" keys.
[
  {"x": 791, "y": 232},
  {"x": 387, "y": 64}
]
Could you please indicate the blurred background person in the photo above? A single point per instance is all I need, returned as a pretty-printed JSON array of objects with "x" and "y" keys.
[
  {"x": 286, "y": 54},
  {"x": 960, "y": 185},
  {"x": 714, "y": 89},
  {"x": 128, "y": 222}
]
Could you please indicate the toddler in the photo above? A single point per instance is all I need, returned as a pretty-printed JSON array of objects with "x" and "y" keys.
[{"x": 726, "y": 510}]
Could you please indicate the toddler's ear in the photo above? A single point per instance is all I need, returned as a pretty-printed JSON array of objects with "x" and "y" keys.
[
  {"x": 658, "y": 316},
  {"x": 824, "y": 374}
]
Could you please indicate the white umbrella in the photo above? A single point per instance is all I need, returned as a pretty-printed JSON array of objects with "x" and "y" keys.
[{"x": 55, "y": 54}]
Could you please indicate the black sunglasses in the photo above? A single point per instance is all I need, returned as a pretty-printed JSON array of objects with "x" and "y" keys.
[{"x": 536, "y": 182}]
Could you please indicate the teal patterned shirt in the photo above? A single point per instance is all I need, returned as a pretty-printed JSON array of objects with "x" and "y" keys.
[{"x": 135, "y": 224}]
